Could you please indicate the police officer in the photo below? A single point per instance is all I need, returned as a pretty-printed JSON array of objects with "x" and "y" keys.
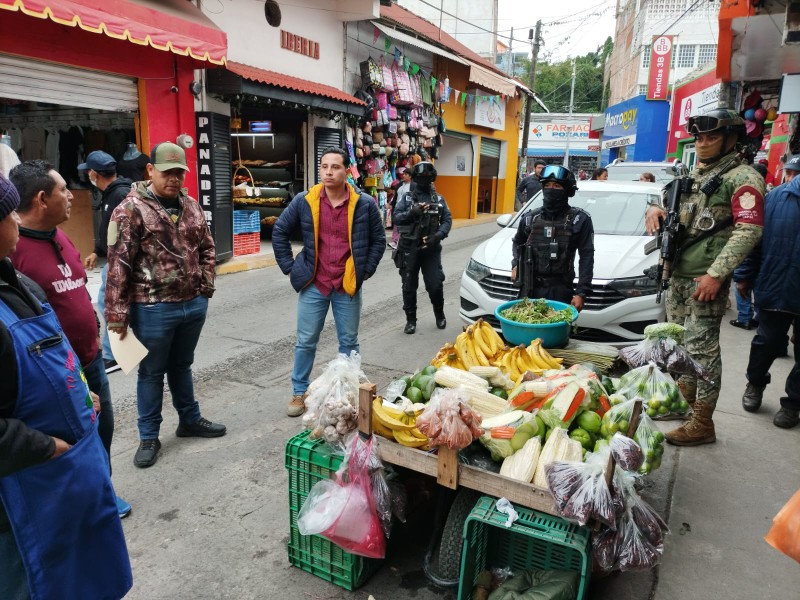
[
  {"x": 723, "y": 218},
  {"x": 547, "y": 239},
  {"x": 424, "y": 220}
]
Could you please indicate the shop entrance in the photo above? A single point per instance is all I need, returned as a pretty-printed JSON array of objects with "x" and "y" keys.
[{"x": 489, "y": 170}]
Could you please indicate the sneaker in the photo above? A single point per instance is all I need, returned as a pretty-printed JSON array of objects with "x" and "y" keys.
[
  {"x": 111, "y": 366},
  {"x": 147, "y": 454},
  {"x": 123, "y": 508},
  {"x": 296, "y": 407},
  {"x": 786, "y": 418},
  {"x": 202, "y": 428}
]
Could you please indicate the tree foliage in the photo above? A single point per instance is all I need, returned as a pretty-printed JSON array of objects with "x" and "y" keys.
[{"x": 553, "y": 80}]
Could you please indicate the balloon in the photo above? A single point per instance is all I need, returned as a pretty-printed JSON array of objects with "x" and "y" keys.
[
  {"x": 772, "y": 114},
  {"x": 750, "y": 114},
  {"x": 760, "y": 115}
]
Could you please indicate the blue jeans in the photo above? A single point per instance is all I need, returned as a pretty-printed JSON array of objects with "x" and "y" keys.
[
  {"x": 101, "y": 304},
  {"x": 97, "y": 379},
  {"x": 744, "y": 306},
  {"x": 312, "y": 308},
  {"x": 13, "y": 579},
  {"x": 170, "y": 332}
]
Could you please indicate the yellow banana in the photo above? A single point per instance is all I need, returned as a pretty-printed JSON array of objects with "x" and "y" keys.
[
  {"x": 492, "y": 339},
  {"x": 470, "y": 354},
  {"x": 461, "y": 349},
  {"x": 548, "y": 358},
  {"x": 407, "y": 439},
  {"x": 480, "y": 341},
  {"x": 387, "y": 417},
  {"x": 381, "y": 429},
  {"x": 536, "y": 358}
]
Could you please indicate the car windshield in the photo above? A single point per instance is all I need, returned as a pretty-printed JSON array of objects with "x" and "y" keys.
[
  {"x": 614, "y": 212},
  {"x": 625, "y": 172}
]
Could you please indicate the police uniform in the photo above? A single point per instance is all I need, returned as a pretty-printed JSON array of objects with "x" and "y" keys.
[{"x": 411, "y": 256}]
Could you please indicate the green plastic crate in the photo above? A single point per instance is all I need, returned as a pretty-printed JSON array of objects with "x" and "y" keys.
[
  {"x": 536, "y": 540},
  {"x": 309, "y": 461}
]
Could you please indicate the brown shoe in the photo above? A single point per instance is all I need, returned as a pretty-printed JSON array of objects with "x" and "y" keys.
[
  {"x": 296, "y": 407},
  {"x": 699, "y": 430}
]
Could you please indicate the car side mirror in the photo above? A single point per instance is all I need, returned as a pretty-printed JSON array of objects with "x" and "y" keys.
[{"x": 504, "y": 220}]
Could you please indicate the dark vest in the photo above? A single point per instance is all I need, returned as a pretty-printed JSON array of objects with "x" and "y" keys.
[{"x": 549, "y": 245}]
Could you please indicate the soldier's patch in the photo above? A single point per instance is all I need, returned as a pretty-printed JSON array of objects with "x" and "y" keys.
[{"x": 747, "y": 205}]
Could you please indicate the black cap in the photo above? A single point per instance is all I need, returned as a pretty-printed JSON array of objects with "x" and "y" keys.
[
  {"x": 98, "y": 161},
  {"x": 793, "y": 164}
]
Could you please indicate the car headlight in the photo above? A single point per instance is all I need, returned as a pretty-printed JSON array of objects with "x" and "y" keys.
[
  {"x": 476, "y": 270},
  {"x": 633, "y": 287}
]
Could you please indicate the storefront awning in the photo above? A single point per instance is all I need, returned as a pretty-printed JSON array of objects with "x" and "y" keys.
[
  {"x": 485, "y": 78},
  {"x": 170, "y": 25},
  {"x": 399, "y": 36},
  {"x": 292, "y": 83}
]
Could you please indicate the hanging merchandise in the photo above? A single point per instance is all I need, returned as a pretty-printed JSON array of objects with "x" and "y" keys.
[
  {"x": 371, "y": 74},
  {"x": 386, "y": 76},
  {"x": 402, "y": 95}
]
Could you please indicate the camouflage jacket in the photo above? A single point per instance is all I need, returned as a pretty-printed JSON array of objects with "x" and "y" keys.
[
  {"x": 739, "y": 197},
  {"x": 153, "y": 259}
]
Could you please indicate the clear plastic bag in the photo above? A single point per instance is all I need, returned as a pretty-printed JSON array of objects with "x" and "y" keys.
[
  {"x": 449, "y": 421},
  {"x": 626, "y": 452},
  {"x": 618, "y": 419},
  {"x": 658, "y": 390},
  {"x": 604, "y": 548},
  {"x": 667, "y": 353},
  {"x": 651, "y": 441},
  {"x": 395, "y": 390},
  {"x": 332, "y": 402},
  {"x": 634, "y": 550},
  {"x": 322, "y": 507},
  {"x": 580, "y": 491},
  {"x": 784, "y": 535}
]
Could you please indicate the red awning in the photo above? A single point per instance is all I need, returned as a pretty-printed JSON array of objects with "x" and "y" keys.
[
  {"x": 171, "y": 25},
  {"x": 291, "y": 83}
]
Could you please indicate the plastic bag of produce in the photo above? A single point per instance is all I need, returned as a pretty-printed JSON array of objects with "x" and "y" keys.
[
  {"x": 634, "y": 551},
  {"x": 604, "y": 548},
  {"x": 651, "y": 441},
  {"x": 580, "y": 490},
  {"x": 667, "y": 353},
  {"x": 508, "y": 432},
  {"x": 395, "y": 390},
  {"x": 784, "y": 535},
  {"x": 322, "y": 507},
  {"x": 449, "y": 421},
  {"x": 626, "y": 452},
  {"x": 658, "y": 390},
  {"x": 617, "y": 419},
  {"x": 358, "y": 528}
]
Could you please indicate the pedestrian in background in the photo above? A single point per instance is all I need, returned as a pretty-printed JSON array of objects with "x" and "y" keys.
[
  {"x": 700, "y": 283},
  {"x": 773, "y": 267},
  {"x": 600, "y": 174},
  {"x": 46, "y": 255},
  {"x": 649, "y": 177},
  {"x": 60, "y": 533},
  {"x": 102, "y": 173},
  {"x": 529, "y": 186},
  {"x": 160, "y": 278},
  {"x": 343, "y": 242}
]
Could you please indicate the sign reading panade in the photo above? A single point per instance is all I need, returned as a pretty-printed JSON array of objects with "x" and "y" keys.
[{"x": 660, "y": 59}]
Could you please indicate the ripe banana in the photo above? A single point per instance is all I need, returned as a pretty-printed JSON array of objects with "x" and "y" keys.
[
  {"x": 407, "y": 438},
  {"x": 480, "y": 341},
  {"x": 380, "y": 429},
  {"x": 461, "y": 348},
  {"x": 534, "y": 352},
  {"x": 389, "y": 418},
  {"x": 491, "y": 336},
  {"x": 547, "y": 357}
]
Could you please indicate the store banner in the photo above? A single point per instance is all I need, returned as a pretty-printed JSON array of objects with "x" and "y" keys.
[{"x": 660, "y": 60}]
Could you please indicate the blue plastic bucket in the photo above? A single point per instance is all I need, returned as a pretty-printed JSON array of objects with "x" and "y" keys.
[{"x": 553, "y": 335}]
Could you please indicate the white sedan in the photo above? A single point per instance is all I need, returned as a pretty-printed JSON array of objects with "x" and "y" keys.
[{"x": 622, "y": 301}]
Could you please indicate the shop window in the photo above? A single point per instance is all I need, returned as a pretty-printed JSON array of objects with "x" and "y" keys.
[
  {"x": 642, "y": 89},
  {"x": 273, "y": 13},
  {"x": 686, "y": 56},
  {"x": 646, "y": 57},
  {"x": 706, "y": 53},
  {"x": 324, "y": 138}
]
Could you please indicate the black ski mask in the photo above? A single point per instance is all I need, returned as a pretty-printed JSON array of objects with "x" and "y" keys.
[{"x": 555, "y": 200}]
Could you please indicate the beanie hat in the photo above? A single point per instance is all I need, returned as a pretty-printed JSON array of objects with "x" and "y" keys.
[{"x": 9, "y": 197}]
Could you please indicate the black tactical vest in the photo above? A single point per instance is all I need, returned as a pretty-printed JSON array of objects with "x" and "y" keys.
[{"x": 549, "y": 241}]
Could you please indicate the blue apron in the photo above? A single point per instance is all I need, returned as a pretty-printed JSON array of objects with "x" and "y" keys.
[{"x": 63, "y": 511}]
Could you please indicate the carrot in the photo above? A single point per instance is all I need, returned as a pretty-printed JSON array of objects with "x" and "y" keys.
[
  {"x": 604, "y": 405},
  {"x": 503, "y": 433},
  {"x": 521, "y": 399},
  {"x": 576, "y": 402}
]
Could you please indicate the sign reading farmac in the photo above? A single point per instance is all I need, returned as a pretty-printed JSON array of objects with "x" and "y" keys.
[
  {"x": 489, "y": 113},
  {"x": 559, "y": 131}
]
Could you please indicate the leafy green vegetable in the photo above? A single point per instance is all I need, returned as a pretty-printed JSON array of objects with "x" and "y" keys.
[{"x": 536, "y": 312}]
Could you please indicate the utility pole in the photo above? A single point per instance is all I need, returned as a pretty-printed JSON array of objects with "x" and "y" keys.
[
  {"x": 510, "y": 64},
  {"x": 571, "y": 104},
  {"x": 535, "y": 40}
]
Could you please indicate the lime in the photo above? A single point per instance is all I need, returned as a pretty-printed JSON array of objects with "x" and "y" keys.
[
  {"x": 658, "y": 437},
  {"x": 663, "y": 410},
  {"x": 414, "y": 394},
  {"x": 500, "y": 393},
  {"x": 651, "y": 412},
  {"x": 623, "y": 426}
]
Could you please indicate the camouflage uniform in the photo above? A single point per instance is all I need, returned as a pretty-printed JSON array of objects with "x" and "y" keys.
[{"x": 741, "y": 196}]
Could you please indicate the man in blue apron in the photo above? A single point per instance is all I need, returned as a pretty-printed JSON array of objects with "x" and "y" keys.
[{"x": 60, "y": 534}]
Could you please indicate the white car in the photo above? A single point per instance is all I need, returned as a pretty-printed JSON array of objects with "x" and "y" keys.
[{"x": 622, "y": 302}]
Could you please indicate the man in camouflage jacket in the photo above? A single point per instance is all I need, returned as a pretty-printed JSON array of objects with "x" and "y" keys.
[
  {"x": 160, "y": 277},
  {"x": 732, "y": 206}
]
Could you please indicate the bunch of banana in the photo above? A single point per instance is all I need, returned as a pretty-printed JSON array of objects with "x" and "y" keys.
[
  {"x": 397, "y": 424},
  {"x": 542, "y": 357},
  {"x": 479, "y": 345},
  {"x": 516, "y": 361},
  {"x": 447, "y": 356}
]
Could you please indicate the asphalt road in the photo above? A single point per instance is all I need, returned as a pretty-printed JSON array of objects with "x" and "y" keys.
[{"x": 210, "y": 519}]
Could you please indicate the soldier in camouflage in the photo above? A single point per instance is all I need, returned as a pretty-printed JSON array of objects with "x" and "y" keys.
[{"x": 730, "y": 206}]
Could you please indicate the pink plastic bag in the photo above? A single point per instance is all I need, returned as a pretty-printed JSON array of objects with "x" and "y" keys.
[{"x": 358, "y": 528}]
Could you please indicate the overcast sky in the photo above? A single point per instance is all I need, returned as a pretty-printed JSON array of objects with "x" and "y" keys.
[{"x": 569, "y": 28}]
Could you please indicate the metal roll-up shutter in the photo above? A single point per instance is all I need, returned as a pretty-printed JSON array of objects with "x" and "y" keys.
[
  {"x": 458, "y": 135},
  {"x": 490, "y": 148},
  {"x": 26, "y": 79},
  {"x": 324, "y": 138}
]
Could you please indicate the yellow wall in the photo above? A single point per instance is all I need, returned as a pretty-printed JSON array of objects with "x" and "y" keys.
[{"x": 457, "y": 190}]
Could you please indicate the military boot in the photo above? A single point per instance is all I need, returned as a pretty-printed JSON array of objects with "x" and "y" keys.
[
  {"x": 411, "y": 322},
  {"x": 699, "y": 430},
  {"x": 752, "y": 397},
  {"x": 438, "y": 312}
]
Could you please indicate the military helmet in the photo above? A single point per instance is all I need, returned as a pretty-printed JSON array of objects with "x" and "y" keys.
[
  {"x": 562, "y": 176},
  {"x": 423, "y": 172},
  {"x": 718, "y": 119}
]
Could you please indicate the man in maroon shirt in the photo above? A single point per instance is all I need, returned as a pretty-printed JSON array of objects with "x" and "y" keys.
[{"x": 46, "y": 255}]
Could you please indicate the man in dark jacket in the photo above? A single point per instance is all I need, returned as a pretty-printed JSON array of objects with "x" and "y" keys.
[
  {"x": 529, "y": 186},
  {"x": 773, "y": 267},
  {"x": 102, "y": 170},
  {"x": 343, "y": 242}
]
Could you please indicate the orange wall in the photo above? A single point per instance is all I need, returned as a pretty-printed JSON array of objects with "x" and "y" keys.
[{"x": 454, "y": 115}]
